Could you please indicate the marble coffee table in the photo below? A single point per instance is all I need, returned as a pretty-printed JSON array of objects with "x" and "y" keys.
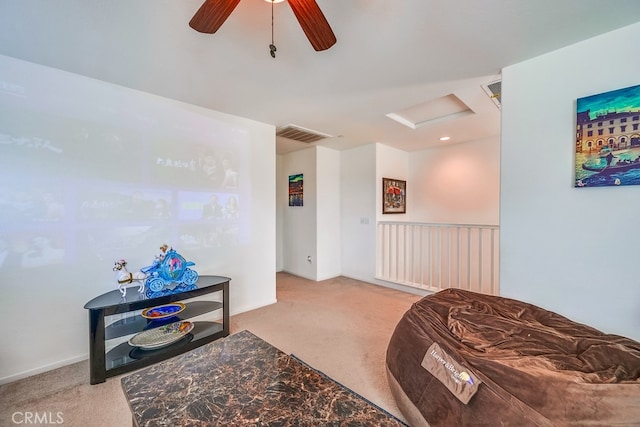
[{"x": 243, "y": 380}]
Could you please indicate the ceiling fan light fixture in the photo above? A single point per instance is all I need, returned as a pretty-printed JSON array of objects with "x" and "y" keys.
[{"x": 274, "y": 1}]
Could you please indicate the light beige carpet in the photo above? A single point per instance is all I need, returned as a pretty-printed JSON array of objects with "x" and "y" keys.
[{"x": 338, "y": 326}]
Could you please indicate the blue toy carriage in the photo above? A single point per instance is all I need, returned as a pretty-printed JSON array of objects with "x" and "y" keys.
[{"x": 169, "y": 269}]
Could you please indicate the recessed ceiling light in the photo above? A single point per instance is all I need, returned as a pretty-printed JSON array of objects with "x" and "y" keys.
[{"x": 445, "y": 138}]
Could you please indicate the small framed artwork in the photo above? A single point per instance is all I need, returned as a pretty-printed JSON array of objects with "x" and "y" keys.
[
  {"x": 608, "y": 139},
  {"x": 394, "y": 196},
  {"x": 296, "y": 190}
]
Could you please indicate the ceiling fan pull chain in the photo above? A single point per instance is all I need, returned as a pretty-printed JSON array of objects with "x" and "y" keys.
[{"x": 272, "y": 46}]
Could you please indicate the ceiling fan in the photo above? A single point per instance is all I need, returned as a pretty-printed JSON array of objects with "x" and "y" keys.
[{"x": 213, "y": 13}]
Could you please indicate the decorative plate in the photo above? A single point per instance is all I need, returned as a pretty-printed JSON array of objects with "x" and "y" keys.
[
  {"x": 163, "y": 311},
  {"x": 162, "y": 336}
]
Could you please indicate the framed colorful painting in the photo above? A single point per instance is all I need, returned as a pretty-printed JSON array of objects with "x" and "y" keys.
[
  {"x": 608, "y": 139},
  {"x": 394, "y": 196},
  {"x": 296, "y": 190}
]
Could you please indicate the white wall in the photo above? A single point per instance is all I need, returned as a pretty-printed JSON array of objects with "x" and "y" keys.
[
  {"x": 362, "y": 171},
  {"x": 457, "y": 184},
  {"x": 312, "y": 230},
  {"x": 328, "y": 213},
  {"x": 570, "y": 250},
  {"x": 358, "y": 212},
  {"x": 299, "y": 222},
  {"x": 252, "y": 269},
  {"x": 361, "y": 207},
  {"x": 281, "y": 204}
]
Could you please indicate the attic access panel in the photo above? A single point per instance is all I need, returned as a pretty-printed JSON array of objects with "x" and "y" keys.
[{"x": 444, "y": 108}]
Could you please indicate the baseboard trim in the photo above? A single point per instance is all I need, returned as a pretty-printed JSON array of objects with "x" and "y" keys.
[
  {"x": 238, "y": 310},
  {"x": 390, "y": 285},
  {"x": 42, "y": 369}
]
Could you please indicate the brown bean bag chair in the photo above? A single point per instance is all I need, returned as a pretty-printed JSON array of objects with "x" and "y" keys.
[{"x": 459, "y": 358}]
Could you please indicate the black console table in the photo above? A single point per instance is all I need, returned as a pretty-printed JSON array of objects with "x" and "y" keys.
[{"x": 113, "y": 319}]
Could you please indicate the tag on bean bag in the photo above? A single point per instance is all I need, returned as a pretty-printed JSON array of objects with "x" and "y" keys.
[{"x": 459, "y": 380}]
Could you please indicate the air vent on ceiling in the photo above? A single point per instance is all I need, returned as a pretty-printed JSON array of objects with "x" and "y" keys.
[
  {"x": 494, "y": 90},
  {"x": 301, "y": 134}
]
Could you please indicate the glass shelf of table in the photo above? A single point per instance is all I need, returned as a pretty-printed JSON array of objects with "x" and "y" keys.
[{"x": 124, "y": 353}]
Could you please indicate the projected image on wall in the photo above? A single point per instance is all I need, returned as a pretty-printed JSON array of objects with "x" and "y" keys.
[{"x": 93, "y": 172}]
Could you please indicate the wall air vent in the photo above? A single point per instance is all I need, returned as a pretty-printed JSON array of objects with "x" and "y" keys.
[
  {"x": 298, "y": 133},
  {"x": 494, "y": 91}
]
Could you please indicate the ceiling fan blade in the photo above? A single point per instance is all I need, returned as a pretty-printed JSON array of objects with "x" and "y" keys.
[
  {"x": 313, "y": 23},
  {"x": 212, "y": 15}
]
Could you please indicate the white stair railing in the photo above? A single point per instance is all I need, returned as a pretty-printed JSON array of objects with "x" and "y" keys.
[{"x": 439, "y": 256}]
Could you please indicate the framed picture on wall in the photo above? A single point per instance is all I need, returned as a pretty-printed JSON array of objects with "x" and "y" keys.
[
  {"x": 296, "y": 190},
  {"x": 394, "y": 196},
  {"x": 608, "y": 139}
]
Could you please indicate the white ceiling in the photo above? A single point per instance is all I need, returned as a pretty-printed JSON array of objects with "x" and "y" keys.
[{"x": 390, "y": 57}]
